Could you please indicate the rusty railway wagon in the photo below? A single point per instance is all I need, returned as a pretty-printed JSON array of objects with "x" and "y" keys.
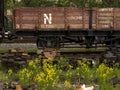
[{"x": 55, "y": 27}]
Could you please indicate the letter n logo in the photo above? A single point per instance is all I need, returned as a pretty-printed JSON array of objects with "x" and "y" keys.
[{"x": 47, "y": 18}]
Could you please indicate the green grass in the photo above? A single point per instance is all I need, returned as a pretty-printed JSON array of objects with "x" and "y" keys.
[
  {"x": 82, "y": 49},
  {"x": 69, "y": 75},
  {"x": 3, "y": 76},
  {"x": 4, "y": 50}
]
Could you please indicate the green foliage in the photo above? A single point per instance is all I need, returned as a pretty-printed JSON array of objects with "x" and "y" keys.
[
  {"x": 9, "y": 4},
  {"x": 49, "y": 75}
]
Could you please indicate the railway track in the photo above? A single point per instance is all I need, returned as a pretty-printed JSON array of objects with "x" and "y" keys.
[
  {"x": 18, "y": 56},
  {"x": 82, "y": 54},
  {"x": 18, "y": 45},
  {"x": 30, "y": 39},
  {"x": 73, "y": 53}
]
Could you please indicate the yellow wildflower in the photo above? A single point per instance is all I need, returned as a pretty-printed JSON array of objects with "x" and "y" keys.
[
  {"x": 70, "y": 66},
  {"x": 103, "y": 71},
  {"x": 23, "y": 71},
  {"x": 39, "y": 77},
  {"x": 10, "y": 71},
  {"x": 67, "y": 83},
  {"x": 31, "y": 63},
  {"x": 28, "y": 74},
  {"x": 36, "y": 61}
]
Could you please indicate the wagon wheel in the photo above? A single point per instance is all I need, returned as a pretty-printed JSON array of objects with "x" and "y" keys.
[
  {"x": 1, "y": 38},
  {"x": 50, "y": 53},
  {"x": 48, "y": 42},
  {"x": 89, "y": 41}
]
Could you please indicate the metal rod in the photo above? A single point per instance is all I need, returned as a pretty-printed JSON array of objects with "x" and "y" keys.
[
  {"x": 1, "y": 15},
  {"x": 90, "y": 18}
]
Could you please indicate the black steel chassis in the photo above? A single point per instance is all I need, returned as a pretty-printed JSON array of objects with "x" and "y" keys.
[{"x": 57, "y": 38}]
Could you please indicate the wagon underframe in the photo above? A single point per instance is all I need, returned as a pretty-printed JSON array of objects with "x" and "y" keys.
[{"x": 57, "y": 38}]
